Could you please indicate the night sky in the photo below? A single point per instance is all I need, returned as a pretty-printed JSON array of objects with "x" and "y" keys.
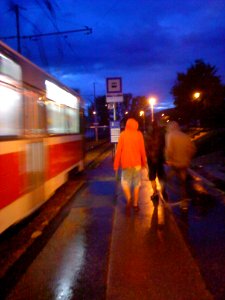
[{"x": 146, "y": 42}]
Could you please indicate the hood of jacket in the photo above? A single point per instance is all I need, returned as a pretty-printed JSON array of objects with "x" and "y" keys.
[
  {"x": 131, "y": 124},
  {"x": 173, "y": 126}
]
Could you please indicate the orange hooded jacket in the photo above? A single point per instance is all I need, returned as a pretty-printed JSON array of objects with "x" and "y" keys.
[{"x": 130, "y": 150}]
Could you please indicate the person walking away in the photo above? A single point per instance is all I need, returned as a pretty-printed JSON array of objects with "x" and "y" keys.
[
  {"x": 179, "y": 151},
  {"x": 131, "y": 157},
  {"x": 155, "y": 146}
]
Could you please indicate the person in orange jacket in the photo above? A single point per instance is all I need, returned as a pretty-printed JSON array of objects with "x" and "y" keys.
[{"x": 131, "y": 157}]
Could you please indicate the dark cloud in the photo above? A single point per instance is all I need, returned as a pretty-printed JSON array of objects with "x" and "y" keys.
[{"x": 145, "y": 42}]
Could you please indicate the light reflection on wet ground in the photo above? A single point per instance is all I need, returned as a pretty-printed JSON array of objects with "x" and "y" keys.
[
  {"x": 203, "y": 227},
  {"x": 149, "y": 259},
  {"x": 73, "y": 264}
]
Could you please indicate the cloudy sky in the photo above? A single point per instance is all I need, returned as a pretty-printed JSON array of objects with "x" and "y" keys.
[{"x": 146, "y": 42}]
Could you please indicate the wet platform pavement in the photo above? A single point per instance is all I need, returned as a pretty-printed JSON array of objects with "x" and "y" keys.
[
  {"x": 149, "y": 258},
  {"x": 146, "y": 257}
]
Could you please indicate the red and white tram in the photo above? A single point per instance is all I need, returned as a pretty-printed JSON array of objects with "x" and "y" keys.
[{"x": 41, "y": 136}]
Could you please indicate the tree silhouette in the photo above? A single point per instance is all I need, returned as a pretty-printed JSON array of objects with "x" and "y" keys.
[{"x": 199, "y": 94}]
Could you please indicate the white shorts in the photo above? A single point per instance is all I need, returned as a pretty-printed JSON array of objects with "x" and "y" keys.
[{"x": 131, "y": 176}]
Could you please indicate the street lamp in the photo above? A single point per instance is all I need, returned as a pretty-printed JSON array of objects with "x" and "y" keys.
[
  {"x": 152, "y": 102},
  {"x": 196, "y": 95},
  {"x": 197, "y": 98},
  {"x": 95, "y": 125},
  {"x": 142, "y": 114}
]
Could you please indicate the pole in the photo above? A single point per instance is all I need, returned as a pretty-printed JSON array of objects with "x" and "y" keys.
[
  {"x": 114, "y": 111},
  {"x": 18, "y": 28},
  {"x": 152, "y": 113},
  {"x": 152, "y": 101},
  {"x": 96, "y": 125},
  {"x": 114, "y": 119},
  {"x": 144, "y": 122}
]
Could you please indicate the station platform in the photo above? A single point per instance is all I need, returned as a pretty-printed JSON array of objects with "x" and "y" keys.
[{"x": 148, "y": 259}]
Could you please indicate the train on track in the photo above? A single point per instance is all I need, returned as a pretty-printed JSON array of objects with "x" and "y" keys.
[{"x": 41, "y": 136}]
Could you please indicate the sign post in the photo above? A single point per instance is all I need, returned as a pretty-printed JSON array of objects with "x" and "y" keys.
[
  {"x": 114, "y": 95},
  {"x": 114, "y": 90},
  {"x": 114, "y": 131}
]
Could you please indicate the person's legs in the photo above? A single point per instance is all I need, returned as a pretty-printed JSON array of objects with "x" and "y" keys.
[
  {"x": 152, "y": 178},
  {"x": 127, "y": 193},
  {"x": 162, "y": 180},
  {"x": 154, "y": 186},
  {"x": 172, "y": 171},
  {"x": 136, "y": 195},
  {"x": 183, "y": 179},
  {"x": 136, "y": 184},
  {"x": 126, "y": 184}
]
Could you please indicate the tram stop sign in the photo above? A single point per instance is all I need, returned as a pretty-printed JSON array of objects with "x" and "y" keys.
[
  {"x": 114, "y": 89},
  {"x": 114, "y": 131}
]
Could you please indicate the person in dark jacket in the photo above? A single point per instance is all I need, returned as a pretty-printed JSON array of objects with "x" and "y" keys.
[{"x": 155, "y": 146}]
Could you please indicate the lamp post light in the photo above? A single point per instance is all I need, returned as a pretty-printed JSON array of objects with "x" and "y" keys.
[
  {"x": 94, "y": 113},
  {"x": 95, "y": 125},
  {"x": 152, "y": 102},
  {"x": 196, "y": 95},
  {"x": 197, "y": 98},
  {"x": 142, "y": 114}
]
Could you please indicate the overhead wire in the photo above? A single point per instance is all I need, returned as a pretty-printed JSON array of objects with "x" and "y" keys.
[
  {"x": 41, "y": 48},
  {"x": 48, "y": 9},
  {"x": 53, "y": 20}
]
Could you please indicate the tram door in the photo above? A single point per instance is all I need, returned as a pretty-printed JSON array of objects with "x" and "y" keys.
[{"x": 35, "y": 150}]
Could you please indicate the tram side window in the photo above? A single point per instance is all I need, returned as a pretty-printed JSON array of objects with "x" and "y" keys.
[
  {"x": 10, "y": 97},
  {"x": 72, "y": 124},
  {"x": 55, "y": 118},
  {"x": 62, "y": 110},
  {"x": 62, "y": 119},
  {"x": 10, "y": 111},
  {"x": 34, "y": 113}
]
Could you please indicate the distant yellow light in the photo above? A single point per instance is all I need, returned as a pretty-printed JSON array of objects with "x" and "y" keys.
[
  {"x": 152, "y": 101},
  {"x": 196, "y": 95}
]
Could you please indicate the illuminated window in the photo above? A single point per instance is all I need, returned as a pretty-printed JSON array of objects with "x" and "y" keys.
[
  {"x": 10, "y": 69},
  {"x": 55, "y": 118},
  {"x": 10, "y": 112},
  {"x": 34, "y": 113},
  {"x": 72, "y": 120},
  {"x": 10, "y": 97},
  {"x": 60, "y": 96},
  {"x": 62, "y": 111}
]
